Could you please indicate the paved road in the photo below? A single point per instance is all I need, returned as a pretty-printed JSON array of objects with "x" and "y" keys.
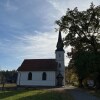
[{"x": 79, "y": 94}]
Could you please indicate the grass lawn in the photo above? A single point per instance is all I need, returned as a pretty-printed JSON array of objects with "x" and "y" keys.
[
  {"x": 31, "y": 94},
  {"x": 8, "y": 85}
]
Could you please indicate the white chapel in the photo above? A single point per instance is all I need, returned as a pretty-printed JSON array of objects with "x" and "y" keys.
[{"x": 43, "y": 72}]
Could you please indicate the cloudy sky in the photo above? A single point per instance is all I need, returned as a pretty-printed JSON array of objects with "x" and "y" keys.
[{"x": 27, "y": 28}]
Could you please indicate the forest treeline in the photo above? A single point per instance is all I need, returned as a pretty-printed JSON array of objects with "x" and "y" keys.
[{"x": 8, "y": 76}]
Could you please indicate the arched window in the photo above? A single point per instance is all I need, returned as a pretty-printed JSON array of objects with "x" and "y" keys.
[
  {"x": 44, "y": 76},
  {"x": 59, "y": 65},
  {"x": 29, "y": 76}
]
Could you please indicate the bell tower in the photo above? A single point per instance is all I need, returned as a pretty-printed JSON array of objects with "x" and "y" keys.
[{"x": 59, "y": 52}]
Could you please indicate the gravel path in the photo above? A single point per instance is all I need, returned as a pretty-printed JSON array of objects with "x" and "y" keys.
[{"x": 79, "y": 94}]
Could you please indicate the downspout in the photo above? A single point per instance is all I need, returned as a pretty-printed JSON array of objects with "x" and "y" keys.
[{"x": 19, "y": 77}]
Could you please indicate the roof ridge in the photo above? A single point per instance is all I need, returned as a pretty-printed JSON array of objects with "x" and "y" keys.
[{"x": 39, "y": 59}]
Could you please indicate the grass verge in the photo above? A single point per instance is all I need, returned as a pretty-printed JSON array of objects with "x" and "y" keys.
[
  {"x": 8, "y": 85},
  {"x": 31, "y": 94}
]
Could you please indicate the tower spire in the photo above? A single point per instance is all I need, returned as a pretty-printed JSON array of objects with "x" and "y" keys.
[
  {"x": 60, "y": 44},
  {"x": 60, "y": 60}
]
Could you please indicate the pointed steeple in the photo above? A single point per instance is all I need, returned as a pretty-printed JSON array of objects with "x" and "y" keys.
[{"x": 60, "y": 44}]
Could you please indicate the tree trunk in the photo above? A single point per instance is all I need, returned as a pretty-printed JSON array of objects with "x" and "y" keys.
[
  {"x": 94, "y": 44},
  {"x": 3, "y": 86}
]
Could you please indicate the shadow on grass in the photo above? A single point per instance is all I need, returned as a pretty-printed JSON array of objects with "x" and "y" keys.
[
  {"x": 39, "y": 94},
  {"x": 49, "y": 95},
  {"x": 6, "y": 94}
]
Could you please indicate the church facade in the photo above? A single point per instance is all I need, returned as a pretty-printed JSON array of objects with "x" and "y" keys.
[{"x": 43, "y": 72}]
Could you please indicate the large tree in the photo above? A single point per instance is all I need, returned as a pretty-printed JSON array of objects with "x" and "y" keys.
[
  {"x": 86, "y": 64},
  {"x": 82, "y": 28}
]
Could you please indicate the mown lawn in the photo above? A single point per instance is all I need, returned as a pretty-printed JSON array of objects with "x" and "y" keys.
[
  {"x": 8, "y": 85},
  {"x": 31, "y": 94}
]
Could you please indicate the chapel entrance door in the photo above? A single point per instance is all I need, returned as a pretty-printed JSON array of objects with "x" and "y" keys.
[{"x": 59, "y": 80}]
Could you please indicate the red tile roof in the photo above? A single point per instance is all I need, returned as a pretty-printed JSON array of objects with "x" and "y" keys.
[{"x": 38, "y": 65}]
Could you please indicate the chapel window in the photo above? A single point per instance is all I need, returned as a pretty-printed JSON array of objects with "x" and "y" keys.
[
  {"x": 59, "y": 65},
  {"x": 44, "y": 76},
  {"x": 29, "y": 76}
]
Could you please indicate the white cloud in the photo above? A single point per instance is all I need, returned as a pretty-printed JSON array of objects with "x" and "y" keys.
[
  {"x": 30, "y": 46},
  {"x": 62, "y": 6},
  {"x": 41, "y": 45},
  {"x": 57, "y": 5},
  {"x": 10, "y": 7}
]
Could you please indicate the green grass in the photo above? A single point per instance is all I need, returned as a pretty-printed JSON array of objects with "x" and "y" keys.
[
  {"x": 31, "y": 94},
  {"x": 8, "y": 85}
]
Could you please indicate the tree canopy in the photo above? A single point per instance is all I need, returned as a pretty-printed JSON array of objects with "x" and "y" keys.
[{"x": 82, "y": 28}]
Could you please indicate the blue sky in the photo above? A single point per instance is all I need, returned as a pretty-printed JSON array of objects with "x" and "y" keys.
[{"x": 27, "y": 28}]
